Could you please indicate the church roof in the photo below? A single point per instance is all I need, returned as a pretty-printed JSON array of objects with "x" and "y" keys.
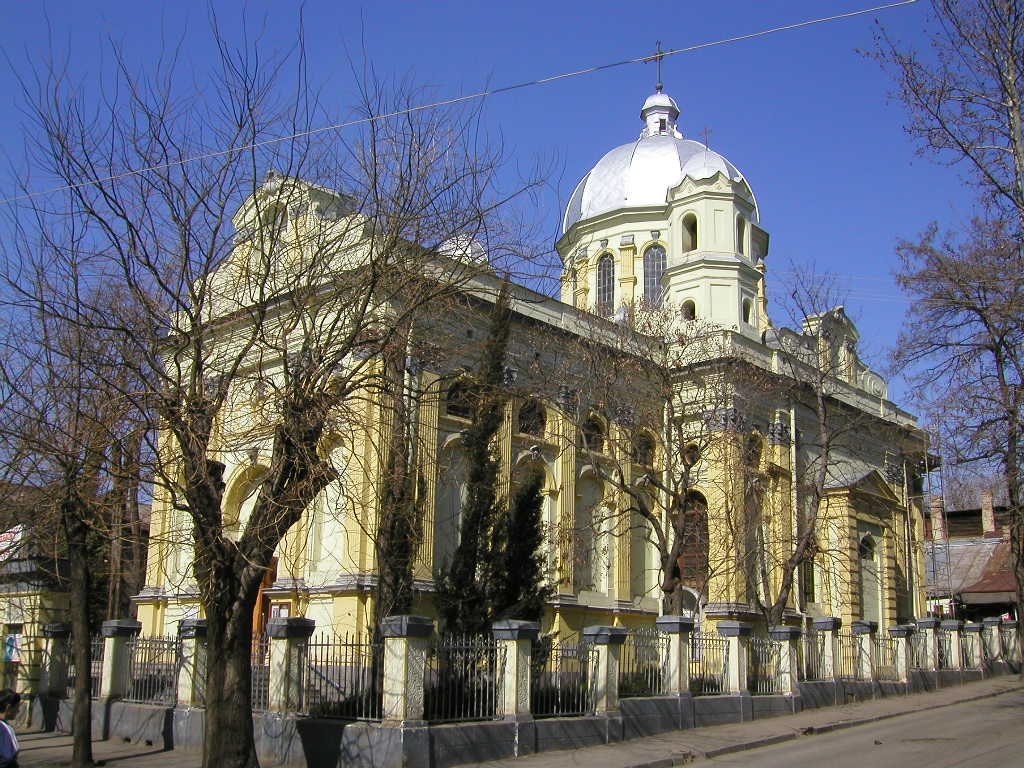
[{"x": 642, "y": 172}]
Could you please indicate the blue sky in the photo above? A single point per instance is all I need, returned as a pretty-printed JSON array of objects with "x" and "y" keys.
[{"x": 802, "y": 113}]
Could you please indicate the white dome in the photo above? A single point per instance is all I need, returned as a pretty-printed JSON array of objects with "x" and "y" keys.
[{"x": 642, "y": 172}]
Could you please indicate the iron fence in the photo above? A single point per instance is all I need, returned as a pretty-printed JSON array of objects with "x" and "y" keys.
[
  {"x": 96, "y": 667},
  {"x": 811, "y": 665},
  {"x": 709, "y": 664},
  {"x": 763, "y": 665},
  {"x": 260, "y": 673},
  {"x": 151, "y": 674},
  {"x": 1008, "y": 645},
  {"x": 917, "y": 650},
  {"x": 945, "y": 648},
  {"x": 970, "y": 656},
  {"x": 989, "y": 646},
  {"x": 344, "y": 677},
  {"x": 463, "y": 678},
  {"x": 886, "y": 654},
  {"x": 563, "y": 679},
  {"x": 642, "y": 663},
  {"x": 848, "y": 657}
]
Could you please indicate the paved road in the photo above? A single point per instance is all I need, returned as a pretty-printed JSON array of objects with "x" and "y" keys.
[{"x": 978, "y": 733}]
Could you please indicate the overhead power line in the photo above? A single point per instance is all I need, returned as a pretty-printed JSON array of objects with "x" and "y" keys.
[{"x": 462, "y": 99}]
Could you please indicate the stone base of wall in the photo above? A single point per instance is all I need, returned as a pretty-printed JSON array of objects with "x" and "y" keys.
[{"x": 287, "y": 741}]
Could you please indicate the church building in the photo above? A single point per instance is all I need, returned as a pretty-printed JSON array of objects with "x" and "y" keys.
[{"x": 655, "y": 385}]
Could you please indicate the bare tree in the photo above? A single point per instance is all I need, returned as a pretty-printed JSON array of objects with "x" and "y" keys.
[
  {"x": 963, "y": 348},
  {"x": 265, "y": 269},
  {"x": 963, "y": 94},
  {"x": 67, "y": 419}
]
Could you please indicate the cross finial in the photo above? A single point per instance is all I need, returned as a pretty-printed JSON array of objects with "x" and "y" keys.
[
  {"x": 707, "y": 137},
  {"x": 657, "y": 60}
]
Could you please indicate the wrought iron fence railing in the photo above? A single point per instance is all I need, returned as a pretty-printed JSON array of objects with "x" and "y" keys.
[
  {"x": 563, "y": 679},
  {"x": 96, "y": 656},
  {"x": 763, "y": 668},
  {"x": 151, "y": 674},
  {"x": 1009, "y": 650},
  {"x": 886, "y": 667},
  {"x": 811, "y": 667},
  {"x": 260, "y": 672},
  {"x": 917, "y": 651},
  {"x": 944, "y": 643},
  {"x": 848, "y": 657},
  {"x": 344, "y": 677},
  {"x": 709, "y": 664},
  {"x": 463, "y": 678},
  {"x": 642, "y": 663}
]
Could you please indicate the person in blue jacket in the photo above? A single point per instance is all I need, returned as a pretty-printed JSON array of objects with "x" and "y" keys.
[{"x": 10, "y": 701}]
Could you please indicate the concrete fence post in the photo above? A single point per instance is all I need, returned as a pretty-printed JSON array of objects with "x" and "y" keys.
[
  {"x": 738, "y": 635},
  {"x": 517, "y": 638},
  {"x": 902, "y": 636},
  {"x": 676, "y": 669},
  {"x": 113, "y": 675},
  {"x": 953, "y": 627},
  {"x": 788, "y": 639},
  {"x": 829, "y": 627},
  {"x": 406, "y": 643},
  {"x": 929, "y": 629},
  {"x": 54, "y": 673},
  {"x": 289, "y": 645},
  {"x": 867, "y": 654},
  {"x": 973, "y": 656},
  {"x": 192, "y": 671},
  {"x": 607, "y": 642}
]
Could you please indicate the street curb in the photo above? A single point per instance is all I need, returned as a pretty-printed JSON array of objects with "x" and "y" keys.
[{"x": 690, "y": 756}]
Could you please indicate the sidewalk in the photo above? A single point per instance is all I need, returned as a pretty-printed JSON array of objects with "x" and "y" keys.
[{"x": 46, "y": 750}]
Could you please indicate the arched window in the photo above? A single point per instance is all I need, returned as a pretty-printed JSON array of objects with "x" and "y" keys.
[
  {"x": 741, "y": 234},
  {"x": 460, "y": 400},
  {"x": 689, "y": 310},
  {"x": 693, "y": 554},
  {"x": 605, "y": 285},
  {"x": 643, "y": 450},
  {"x": 748, "y": 307},
  {"x": 654, "y": 268},
  {"x": 690, "y": 232},
  {"x": 753, "y": 449},
  {"x": 592, "y": 433},
  {"x": 532, "y": 419}
]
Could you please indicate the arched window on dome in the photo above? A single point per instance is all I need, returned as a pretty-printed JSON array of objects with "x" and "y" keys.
[
  {"x": 748, "y": 309},
  {"x": 741, "y": 235},
  {"x": 689, "y": 310},
  {"x": 605, "y": 285},
  {"x": 690, "y": 241},
  {"x": 654, "y": 269}
]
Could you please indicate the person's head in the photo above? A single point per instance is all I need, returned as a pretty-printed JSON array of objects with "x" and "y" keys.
[{"x": 9, "y": 703}]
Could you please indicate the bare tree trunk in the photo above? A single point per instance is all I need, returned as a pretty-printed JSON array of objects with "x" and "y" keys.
[
  {"x": 228, "y": 731},
  {"x": 81, "y": 719}
]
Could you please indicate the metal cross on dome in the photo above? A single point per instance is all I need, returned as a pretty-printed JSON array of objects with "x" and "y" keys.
[{"x": 657, "y": 57}]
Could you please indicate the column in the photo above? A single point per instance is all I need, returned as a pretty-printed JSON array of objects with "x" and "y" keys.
[
  {"x": 114, "y": 673},
  {"x": 973, "y": 658},
  {"x": 517, "y": 639},
  {"x": 953, "y": 627},
  {"x": 929, "y": 629},
  {"x": 864, "y": 632},
  {"x": 829, "y": 626},
  {"x": 607, "y": 642},
  {"x": 54, "y": 674},
  {"x": 192, "y": 672},
  {"x": 289, "y": 639},
  {"x": 677, "y": 666},
  {"x": 738, "y": 635},
  {"x": 406, "y": 642},
  {"x": 902, "y": 635},
  {"x": 789, "y": 658}
]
